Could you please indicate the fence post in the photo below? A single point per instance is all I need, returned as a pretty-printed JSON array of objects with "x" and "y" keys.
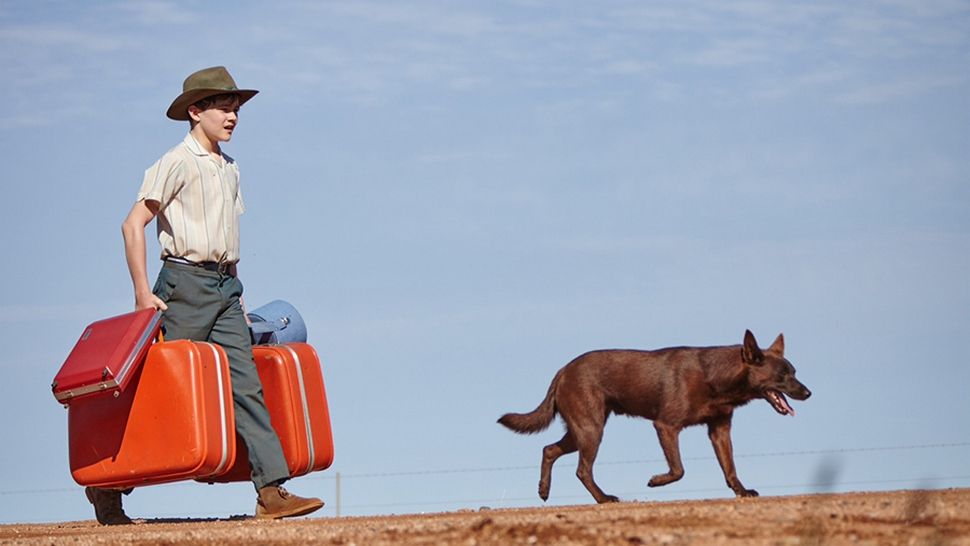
[{"x": 338, "y": 493}]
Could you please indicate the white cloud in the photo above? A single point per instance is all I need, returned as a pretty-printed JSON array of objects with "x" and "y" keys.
[
  {"x": 22, "y": 120},
  {"x": 397, "y": 17},
  {"x": 418, "y": 16},
  {"x": 48, "y": 37},
  {"x": 814, "y": 80},
  {"x": 39, "y": 63},
  {"x": 893, "y": 89},
  {"x": 373, "y": 52},
  {"x": 628, "y": 66},
  {"x": 835, "y": 48},
  {"x": 157, "y": 12},
  {"x": 731, "y": 53}
]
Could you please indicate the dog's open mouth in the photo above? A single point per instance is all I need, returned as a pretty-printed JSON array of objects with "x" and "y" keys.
[{"x": 779, "y": 402}]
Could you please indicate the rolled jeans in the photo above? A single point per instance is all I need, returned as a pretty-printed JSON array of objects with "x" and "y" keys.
[{"x": 205, "y": 306}]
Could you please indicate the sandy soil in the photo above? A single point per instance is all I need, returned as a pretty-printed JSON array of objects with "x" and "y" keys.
[{"x": 939, "y": 518}]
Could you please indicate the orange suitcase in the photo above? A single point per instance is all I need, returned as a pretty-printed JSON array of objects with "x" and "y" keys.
[
  {"x": 175, "y": 421},
  {"x": 297, "y": 402}
]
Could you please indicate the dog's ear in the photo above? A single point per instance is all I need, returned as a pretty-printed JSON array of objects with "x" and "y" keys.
[
  {"x": 778, "y": 347},
  {"x": 750, "y": 352}
]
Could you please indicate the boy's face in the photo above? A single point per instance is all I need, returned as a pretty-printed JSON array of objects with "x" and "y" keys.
[{"x": 218, "y": 121}]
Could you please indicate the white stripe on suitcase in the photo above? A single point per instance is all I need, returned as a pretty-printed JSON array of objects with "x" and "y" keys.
[
  {"x": 306, "y": 407},
  {"x": 222, "y": 412}
]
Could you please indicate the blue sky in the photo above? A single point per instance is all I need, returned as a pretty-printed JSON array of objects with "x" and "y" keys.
[{"x": 461, "y": 197}]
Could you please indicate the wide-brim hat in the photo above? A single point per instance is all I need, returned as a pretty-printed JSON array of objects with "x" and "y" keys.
[{"x": 205, "y": 83}]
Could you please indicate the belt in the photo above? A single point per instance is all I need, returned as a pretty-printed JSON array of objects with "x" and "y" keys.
[{"x": 222, "y": 268}]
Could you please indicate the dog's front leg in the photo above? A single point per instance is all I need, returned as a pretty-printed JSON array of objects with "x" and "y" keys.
[
  {"x": 670, "y": 442},
  {"x": 719, "y": 431}
]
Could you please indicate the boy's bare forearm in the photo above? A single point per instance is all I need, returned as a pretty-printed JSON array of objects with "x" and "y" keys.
[{"x": 135, "y": 255}]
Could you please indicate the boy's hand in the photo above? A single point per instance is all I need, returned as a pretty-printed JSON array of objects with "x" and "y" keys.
[{"x": 149, "y": 301}]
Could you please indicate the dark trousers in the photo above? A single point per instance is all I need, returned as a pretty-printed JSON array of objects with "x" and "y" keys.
[{"x": 204, "y": 306}]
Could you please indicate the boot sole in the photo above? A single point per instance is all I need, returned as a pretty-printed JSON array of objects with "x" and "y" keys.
[{"x": 293, "y": 512}]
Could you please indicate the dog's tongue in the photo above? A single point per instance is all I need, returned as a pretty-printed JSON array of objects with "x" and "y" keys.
[
  {"x": 780, "y": 403},
  {"x": 787, "y": 406}
]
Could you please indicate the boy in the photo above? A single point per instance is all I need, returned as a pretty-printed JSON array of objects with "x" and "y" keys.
[{"x": 193, "y": 193}]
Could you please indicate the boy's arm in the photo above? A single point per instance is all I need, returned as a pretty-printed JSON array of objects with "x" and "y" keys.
[{"x": 133, "y": 231}]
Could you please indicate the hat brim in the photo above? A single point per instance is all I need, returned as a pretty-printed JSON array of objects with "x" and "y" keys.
[{"x": 179, "y": 110}]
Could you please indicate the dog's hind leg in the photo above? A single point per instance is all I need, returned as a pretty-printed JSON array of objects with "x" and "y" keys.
[
  {"x": 549, "y": 455},
  {"x": 670, "y": 442},
  {"x": 588, "y": 439},
  {"x": 584, "y": 411}
]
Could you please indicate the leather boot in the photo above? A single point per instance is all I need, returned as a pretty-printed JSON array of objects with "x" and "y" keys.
[
  {"x": 274, "y": 502},
  {"x": 107, "y": 506}
]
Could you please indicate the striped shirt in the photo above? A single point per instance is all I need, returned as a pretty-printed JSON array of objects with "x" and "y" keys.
[{"x": 199, "y": 203}]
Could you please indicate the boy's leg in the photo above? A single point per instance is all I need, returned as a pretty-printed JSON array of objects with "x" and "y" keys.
[
  {"x": 269, "y": 468},
  {"x": 252, "y": 419},
  {"x": 205, "y": 306}
]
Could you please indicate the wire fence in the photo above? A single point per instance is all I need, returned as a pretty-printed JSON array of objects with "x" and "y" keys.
[
  {"x": 446, "y": 471},
  {"x": 629, "y": 494},
  {"x": 840, "y": 451},
  {"x": 824, "y": 484}
]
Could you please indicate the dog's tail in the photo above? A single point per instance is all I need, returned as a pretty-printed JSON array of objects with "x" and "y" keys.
[{"x": 538, "y": 419}]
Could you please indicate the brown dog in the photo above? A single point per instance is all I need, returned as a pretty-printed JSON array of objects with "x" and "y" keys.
[{"x": 675, "y": 387}]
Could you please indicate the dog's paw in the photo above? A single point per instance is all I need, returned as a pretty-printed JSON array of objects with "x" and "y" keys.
[
  {"x": 608, "y": 498},
  {"x": 747, "y": 493},
  {"x": 664, "y": 479}
]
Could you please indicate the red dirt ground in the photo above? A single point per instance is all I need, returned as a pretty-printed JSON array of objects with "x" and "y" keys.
[{"x": 937, "y": 518}]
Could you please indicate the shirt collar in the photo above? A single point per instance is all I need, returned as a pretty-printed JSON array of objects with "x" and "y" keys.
[{"x": 194, "y": 146}]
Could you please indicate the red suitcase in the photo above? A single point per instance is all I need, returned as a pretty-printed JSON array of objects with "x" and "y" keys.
[
  {"x": 106, "y": 356},
  {"x": 174, "y": 422},
  {"x": 297, "y": 402}
]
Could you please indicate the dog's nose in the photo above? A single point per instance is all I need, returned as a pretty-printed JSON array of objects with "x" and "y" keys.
[{"x": 808, "y": 393}]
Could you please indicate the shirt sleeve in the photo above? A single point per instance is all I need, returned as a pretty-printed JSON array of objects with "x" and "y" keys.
[
  {"x": 163, "y": 180},
  {"x": 238, "y": 204}
]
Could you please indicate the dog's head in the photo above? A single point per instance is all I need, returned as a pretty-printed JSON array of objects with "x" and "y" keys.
[{"x": 771, "y": 374}]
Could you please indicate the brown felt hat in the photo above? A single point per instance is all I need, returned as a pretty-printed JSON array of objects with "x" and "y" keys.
[{"x": 205, "y": 83}]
